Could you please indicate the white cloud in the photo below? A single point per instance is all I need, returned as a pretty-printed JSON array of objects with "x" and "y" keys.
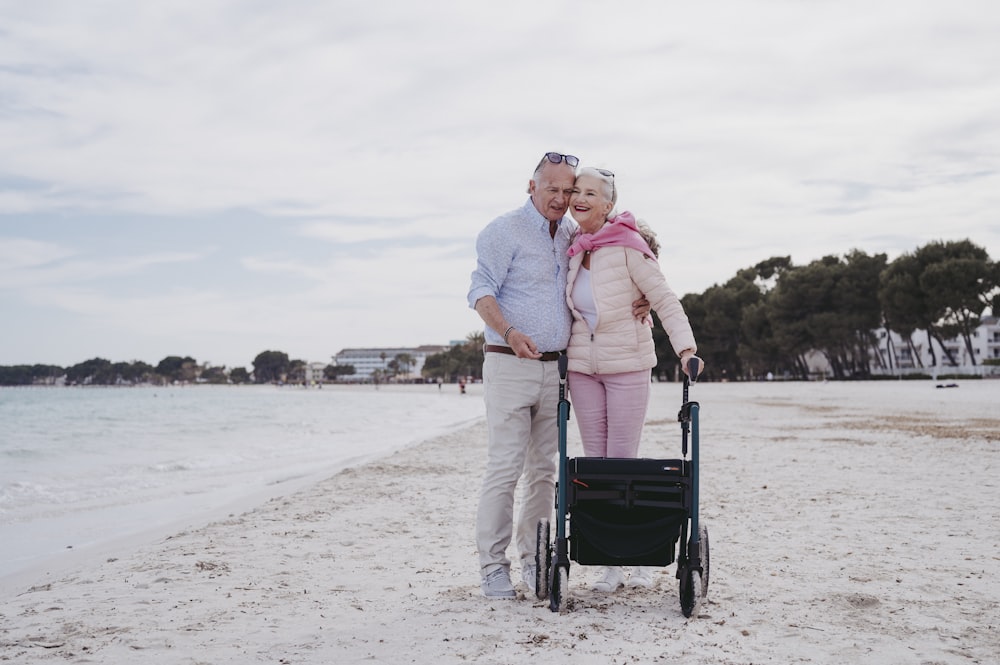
[
  {"x": 41, "y": 264},
  {"x": 16, "y": 253}
]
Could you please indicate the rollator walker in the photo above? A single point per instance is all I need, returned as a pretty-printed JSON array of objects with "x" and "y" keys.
[{"x": 626, "y": 512}]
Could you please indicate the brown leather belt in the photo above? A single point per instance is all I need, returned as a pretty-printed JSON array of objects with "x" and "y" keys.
[{"x": 493, "y": 348}]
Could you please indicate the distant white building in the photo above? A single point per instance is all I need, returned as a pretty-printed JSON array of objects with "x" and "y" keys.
[
  {"x": 921, "y": 354},
  {"x": 366, "y": 361},
  {"x": 314, "y": 373},
  {"x": 898, "y": 357}
]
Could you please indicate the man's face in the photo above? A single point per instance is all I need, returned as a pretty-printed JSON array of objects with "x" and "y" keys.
[{"x": 551, "y": 191}]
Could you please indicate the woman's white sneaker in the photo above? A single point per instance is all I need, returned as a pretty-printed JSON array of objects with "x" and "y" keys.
[
  {"x": 642, "y": 576},
  {"x": 612, "y": 578}
]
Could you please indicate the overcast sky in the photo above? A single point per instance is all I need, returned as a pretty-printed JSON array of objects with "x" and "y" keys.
[{"x": 216, "y": 179}]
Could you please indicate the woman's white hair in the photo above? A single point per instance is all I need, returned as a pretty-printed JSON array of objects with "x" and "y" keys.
[{"x": 649, "y": 235}]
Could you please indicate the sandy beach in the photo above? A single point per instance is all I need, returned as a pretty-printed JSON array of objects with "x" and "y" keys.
[{"x": 849, "y": 523}]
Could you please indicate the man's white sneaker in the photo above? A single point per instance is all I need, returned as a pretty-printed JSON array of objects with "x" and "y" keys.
[
  {"x": 612, "y": 578},
  {"x": 642, "y": 576},
  {"x": 497, "y": 585},
  {"x": 528, "y": 576}
]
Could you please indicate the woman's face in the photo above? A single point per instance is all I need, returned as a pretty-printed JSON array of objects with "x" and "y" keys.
[{"x": 589, "y": 204}]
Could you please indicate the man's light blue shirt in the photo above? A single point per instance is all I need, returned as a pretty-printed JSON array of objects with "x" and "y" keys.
[{"x": 525, "y": 269}]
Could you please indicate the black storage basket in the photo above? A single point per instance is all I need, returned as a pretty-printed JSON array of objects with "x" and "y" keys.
[{"x": 626, "y": 512}]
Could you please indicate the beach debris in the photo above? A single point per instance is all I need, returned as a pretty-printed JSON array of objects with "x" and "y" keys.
[{"x": 212, "y": 567}]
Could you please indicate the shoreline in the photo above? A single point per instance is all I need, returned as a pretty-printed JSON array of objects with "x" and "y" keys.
[
  {"x": 842, "y": 530},
  {"x": 161, "y": 487},
  {"x": 81, "y": 555}
]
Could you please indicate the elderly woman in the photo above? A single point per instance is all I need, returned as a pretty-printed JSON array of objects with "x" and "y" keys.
[{"x": 611, "y": 353}]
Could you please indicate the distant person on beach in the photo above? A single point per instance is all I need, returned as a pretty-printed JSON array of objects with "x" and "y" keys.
[
  {"x": 519, "y": 290},
  {"x": 613, "y": 258}
]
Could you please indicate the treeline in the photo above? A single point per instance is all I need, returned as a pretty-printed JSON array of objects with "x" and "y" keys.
[
  {"x": 458, "y": 362},
  {"x": 268, "y": 367},
  {"x": 98, "y": 371},
  {"x": 768, "y": 317}
]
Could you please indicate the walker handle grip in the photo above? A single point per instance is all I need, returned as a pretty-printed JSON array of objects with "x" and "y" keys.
[{"x": 693, "y": 368}]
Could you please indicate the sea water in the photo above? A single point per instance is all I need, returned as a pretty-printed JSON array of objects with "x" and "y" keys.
[{"x": 81, "y": 467}]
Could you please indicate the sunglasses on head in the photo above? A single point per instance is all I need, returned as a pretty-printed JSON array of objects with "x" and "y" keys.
[
  {"x": 609, "y": 174},
  {"x": 558, "y": 158}
]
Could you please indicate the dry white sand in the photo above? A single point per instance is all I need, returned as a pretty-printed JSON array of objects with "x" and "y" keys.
[{"x": 849, "y": 523}]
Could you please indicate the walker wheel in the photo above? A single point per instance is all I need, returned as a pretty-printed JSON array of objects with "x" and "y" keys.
[
  {"x": 703, "y": 547},
  {"x": 560, "y": 583},
  {"x": 690, "y": 588},
  {"x": 543, "y": 559},
  {"x": 694, "y": 584}
]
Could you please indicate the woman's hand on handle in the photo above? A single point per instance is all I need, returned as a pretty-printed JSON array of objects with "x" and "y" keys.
[{"x": 686, "y": 357}]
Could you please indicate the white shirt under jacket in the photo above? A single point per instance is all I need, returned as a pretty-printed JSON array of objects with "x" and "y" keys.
[{"x": 619, "y": 342}]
